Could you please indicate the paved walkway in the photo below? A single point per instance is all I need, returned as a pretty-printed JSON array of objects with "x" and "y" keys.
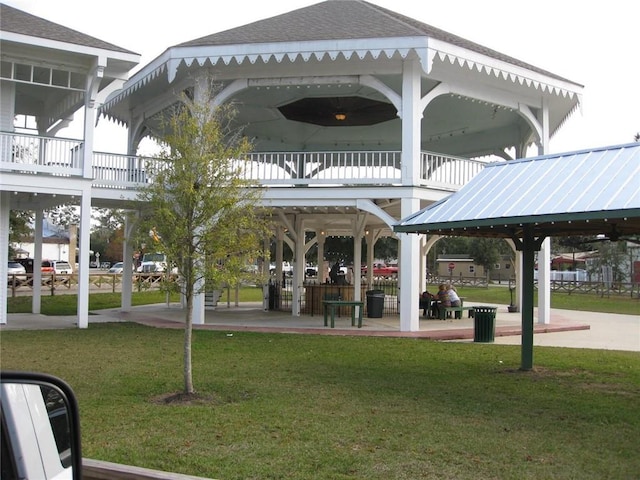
[{"x": 566, "y": 329}]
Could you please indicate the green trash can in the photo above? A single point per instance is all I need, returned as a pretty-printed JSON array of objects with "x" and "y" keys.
[
  {"x": 484, "y": 323},
  {"x": 375, "y": 303}
]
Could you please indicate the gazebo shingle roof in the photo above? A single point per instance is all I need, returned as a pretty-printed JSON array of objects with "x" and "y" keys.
[
  {"x": 16, "y": 21},
  {"x": 344, "y": 19}
]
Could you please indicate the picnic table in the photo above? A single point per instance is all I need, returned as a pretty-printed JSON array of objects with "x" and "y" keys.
[{"x": 329, "y": 307}]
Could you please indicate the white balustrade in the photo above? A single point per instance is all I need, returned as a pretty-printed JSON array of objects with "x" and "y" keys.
[
  {"x": 38, "y": 154},
  {"x": 60, "y": 156}
]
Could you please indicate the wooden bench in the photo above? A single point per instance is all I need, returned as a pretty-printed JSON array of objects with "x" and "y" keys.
[
  {"x": 457, "y": 311},
  {"x": 331, "y": 305}
]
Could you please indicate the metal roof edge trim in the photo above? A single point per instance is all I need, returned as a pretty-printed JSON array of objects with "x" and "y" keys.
[
  {"x": 564, "y": 154},
  {"x": 507, "y": 222}
]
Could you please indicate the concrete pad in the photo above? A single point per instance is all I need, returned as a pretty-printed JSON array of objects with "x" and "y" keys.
[{"x": 567, "y": 328}]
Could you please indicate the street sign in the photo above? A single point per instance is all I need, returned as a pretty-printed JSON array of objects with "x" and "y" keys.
[{"x": 452, "y": 266}]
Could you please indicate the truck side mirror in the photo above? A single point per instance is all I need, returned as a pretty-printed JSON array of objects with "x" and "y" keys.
[{"x": 40, "y": 427}]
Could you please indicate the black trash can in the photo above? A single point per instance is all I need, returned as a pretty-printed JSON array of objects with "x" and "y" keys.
[
  {"x": 274, "y": 296},
  {"x": 375, "y": 303},
  {"x": 484, "y": 322}
]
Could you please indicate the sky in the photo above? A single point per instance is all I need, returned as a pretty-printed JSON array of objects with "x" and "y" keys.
[{"x": 590, "y": 43}]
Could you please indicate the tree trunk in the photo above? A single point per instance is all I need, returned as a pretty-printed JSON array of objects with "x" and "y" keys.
[{"x": 188, "y": 372}]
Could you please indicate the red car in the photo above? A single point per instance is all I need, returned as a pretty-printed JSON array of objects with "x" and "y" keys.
[{"x": 382, "y": 270}]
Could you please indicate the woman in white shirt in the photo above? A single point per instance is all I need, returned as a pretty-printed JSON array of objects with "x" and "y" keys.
[{"x": 453, "y": 296}]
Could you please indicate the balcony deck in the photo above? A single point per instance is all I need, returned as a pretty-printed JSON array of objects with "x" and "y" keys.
[{"x": 30, "y": 154}]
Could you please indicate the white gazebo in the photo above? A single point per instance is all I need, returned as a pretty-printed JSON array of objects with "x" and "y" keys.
[{"x": 360, "y": 117}]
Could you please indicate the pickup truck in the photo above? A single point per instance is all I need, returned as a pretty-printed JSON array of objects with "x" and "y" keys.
[{"x": 382, "y": 270}]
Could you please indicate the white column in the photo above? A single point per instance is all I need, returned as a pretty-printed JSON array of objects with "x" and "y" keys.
[
  {"x": 322, "y": 271},
  {"x": 199, "y": 294},
  {"x": 4, "y": 248},
  {"x": 409, "y": 275},
  {"x": 411, "y": 117},
  {"x": 357, "y": 264},
  {"x": 83, "y": 261},
  {"x": 36, "y": 300},
  {"x": 371, "y": 241},
  {"x": 544, "y": 256},
  {"x": 92, "y": 87},
  {"x": 409, "y": 286},
  {"x": 201, "y": 94},
  {"x": 298, "y": 269},
  {"x": 518, "y": 292},
  {"x": 7, "y": 113},
  {"x": 544, "y": 282},
  {"x": 264, "y": 273},
  {"x": 127, "y": 265},
  {"x": 198, "y": 316},
  {"x": 422, "y": 276},
  {"x": 279, "y": 253}
]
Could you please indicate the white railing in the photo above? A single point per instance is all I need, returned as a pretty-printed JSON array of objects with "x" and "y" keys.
[
  {"x": 59, "y": 156},
  {"x": 36, "y": 154},
  {"x": 446, "y": 171},
  {"x": 315, "y": 168},
  {"x": 116, "y": 171}
]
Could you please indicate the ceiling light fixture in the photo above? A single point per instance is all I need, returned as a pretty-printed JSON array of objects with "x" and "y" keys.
[{"x": 341, "y": 116}]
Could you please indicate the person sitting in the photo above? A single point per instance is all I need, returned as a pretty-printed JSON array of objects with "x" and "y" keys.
[
  {"x": 453, "y": 296},
  {"x": 426, "y": 301},
  {"x": 443, "y": 298}
]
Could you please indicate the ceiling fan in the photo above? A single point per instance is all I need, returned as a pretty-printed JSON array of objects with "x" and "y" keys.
[{"x": 614, "y": 236}]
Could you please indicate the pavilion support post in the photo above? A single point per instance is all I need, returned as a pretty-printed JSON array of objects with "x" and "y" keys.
[{"x": 528, "y": 245}]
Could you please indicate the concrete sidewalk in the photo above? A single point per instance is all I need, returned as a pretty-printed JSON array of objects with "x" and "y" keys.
[{"x": 567, "y": 328}]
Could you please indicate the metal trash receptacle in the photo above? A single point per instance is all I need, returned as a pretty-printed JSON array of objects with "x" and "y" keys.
[
  {"x": 274, "y": 296},
  {"x": 375, "y": 303},
  {"x": 484, "y": 324}
]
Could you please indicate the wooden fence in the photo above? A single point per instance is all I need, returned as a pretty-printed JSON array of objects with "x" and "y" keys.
[{"x": 53, "y": 284}]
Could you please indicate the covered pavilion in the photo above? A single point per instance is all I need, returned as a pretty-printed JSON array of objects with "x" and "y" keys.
[{"x": 591, "y": 192}]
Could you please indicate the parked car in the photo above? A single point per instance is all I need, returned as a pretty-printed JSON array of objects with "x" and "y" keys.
[
  {"x": 27, "y": 263},
  {"x": 47, "y": 267},
  {"x": 382, "y": 270},
  {"x": 60, "y": 267},
  {"x": 116, "y": 268},
  {"x": 16, "y": 270}
]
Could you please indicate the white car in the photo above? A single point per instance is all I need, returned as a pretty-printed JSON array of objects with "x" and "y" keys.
[
  {"x": 116, "y": 268},
  {"x": 60, "y": 267},
  {"x": 16, "y": 270}
]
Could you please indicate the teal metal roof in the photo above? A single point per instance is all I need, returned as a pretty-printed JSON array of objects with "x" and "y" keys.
[{"x": 585, "y": 192}]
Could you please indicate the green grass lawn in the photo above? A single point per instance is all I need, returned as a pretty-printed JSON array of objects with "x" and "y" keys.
[{"x": 286, "y": 406}]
